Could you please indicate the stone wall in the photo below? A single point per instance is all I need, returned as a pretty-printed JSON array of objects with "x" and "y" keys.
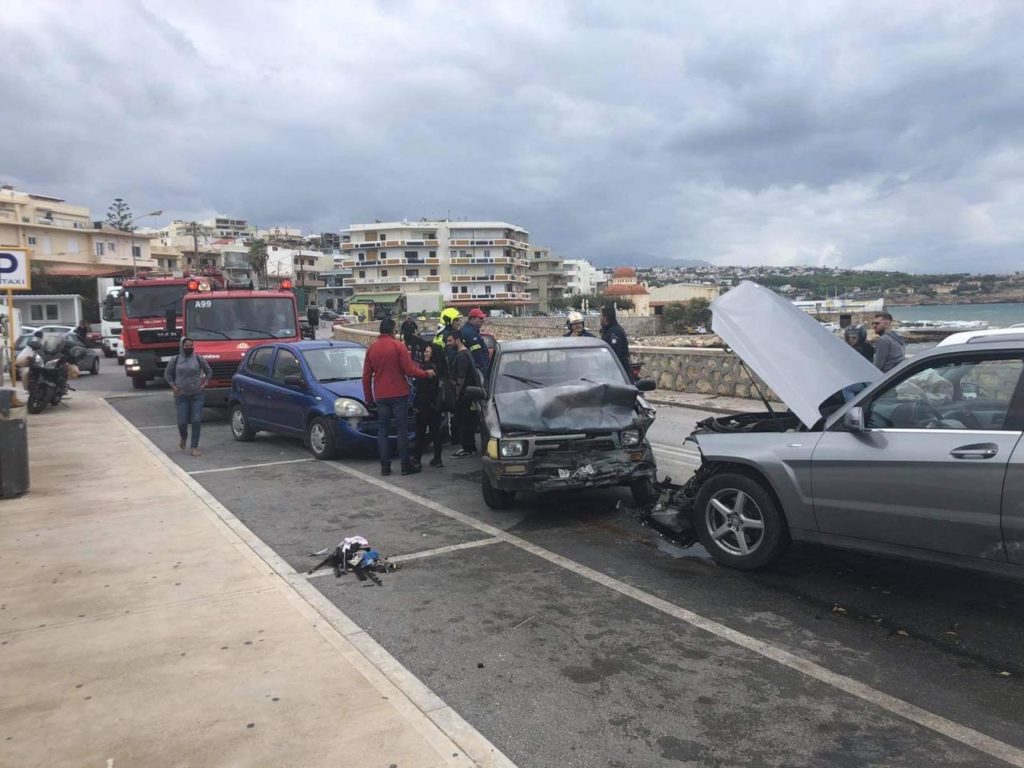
[
  {"x": 541, "y": 327},
  {"x": 694, "y": 370},
  {"x": 699, "y": 371}
]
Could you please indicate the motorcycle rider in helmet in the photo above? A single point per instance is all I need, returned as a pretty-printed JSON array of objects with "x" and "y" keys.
[{"x": 574, "y": 325}]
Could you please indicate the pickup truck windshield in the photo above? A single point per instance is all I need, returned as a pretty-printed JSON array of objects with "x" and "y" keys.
[
  {"x": 153, "y": 300},
  {"x": 212, "y": 319},
  {"x": 547, "y": 367}
]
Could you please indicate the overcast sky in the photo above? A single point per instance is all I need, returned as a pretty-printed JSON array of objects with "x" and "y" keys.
[{"x": 876, "y": 135}]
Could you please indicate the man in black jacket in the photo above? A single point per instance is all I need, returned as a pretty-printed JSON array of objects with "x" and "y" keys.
[
  {"x": 614, "y": 335},
  {"x": 465, "y": 374}
]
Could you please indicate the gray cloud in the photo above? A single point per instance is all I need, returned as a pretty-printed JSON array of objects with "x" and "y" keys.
[{"x": 855, "y": 134}]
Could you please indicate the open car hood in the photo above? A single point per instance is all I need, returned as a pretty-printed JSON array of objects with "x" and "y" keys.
[
  {"x": 567, "y": 409},
  {"x": 795, "y": 355}
]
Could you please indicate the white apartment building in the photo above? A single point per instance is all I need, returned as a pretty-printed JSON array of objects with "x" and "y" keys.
[
  {"x": 582, "y": 277},
  {"x": 469, "y": 263}
]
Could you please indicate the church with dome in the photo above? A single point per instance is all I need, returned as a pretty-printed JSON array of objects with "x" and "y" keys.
[{"x": 625, "y": 285}]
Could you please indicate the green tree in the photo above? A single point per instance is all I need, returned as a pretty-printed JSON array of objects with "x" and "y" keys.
[
  {"x": 258, "y": 260},
  {"x": 681, "y": 317},
  {"x": 119, "y": 215}
]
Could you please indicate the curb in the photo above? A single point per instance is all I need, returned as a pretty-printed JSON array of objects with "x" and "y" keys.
[{"x": 414, "y": 700}]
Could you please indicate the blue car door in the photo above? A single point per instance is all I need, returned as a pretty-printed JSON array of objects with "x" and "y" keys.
[
  {"x": 288, "y": 403},
  {"x": 253, "y": 382}
]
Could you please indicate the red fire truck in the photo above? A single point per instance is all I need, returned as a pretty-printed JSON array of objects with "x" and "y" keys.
[
  {"x": 151, "y": 322},
  {"x": 226, "y": 324}
]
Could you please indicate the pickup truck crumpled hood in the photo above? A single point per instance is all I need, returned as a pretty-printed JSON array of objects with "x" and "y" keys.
[
  {"x": 568, "y": 409},
  {"x": 795, "y": 355}
]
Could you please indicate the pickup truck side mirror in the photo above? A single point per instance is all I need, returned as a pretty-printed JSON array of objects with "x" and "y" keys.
[
  {"x": 646, "y": 385},
  {"x": 854, "y": 419},
  {"x": 474, "y": 394},
  {"x": 294, "y": 380}
]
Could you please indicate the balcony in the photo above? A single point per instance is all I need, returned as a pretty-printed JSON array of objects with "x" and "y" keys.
[
  {"x": 398, "y": 280},
  {"x": 458, "y": 298},
  {"x": 397, "y": 261},
  {"x": 458, "y": 260},
  {"x": 499, "y": 243},
  {"x": 389, "y": 244},
  {"x": 490, "y": 279}
]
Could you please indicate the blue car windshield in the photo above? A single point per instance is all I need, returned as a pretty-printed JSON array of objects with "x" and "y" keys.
[{"x": 335, "y": 363}]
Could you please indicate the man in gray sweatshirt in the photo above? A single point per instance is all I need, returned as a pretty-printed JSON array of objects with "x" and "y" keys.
[
  {"x": 890, "y": 349},
  {"x": 187, "y": 374}
]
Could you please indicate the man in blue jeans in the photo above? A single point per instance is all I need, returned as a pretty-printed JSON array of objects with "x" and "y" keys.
[
  {"x": 385, "y": 370},
  {"x": 187, "y": 374}
]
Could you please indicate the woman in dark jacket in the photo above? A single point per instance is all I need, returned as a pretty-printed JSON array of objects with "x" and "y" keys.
[
  {"x": 857, "y": 337},
  {"x": 427, "y": 404}
]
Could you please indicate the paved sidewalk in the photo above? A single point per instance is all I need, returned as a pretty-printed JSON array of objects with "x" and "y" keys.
[{"x": 141, "y": 627}]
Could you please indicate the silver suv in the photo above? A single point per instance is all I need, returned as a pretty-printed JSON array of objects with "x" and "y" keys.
[{"x": 923, "y": 463}]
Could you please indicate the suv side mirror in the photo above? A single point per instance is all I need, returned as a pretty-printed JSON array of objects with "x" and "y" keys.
[
  {"x": 854, "y": 419},
  {"x": 294, "y": 380},
  {"x": 646, "y": 385},
  {"x": 474, "y": 394}
]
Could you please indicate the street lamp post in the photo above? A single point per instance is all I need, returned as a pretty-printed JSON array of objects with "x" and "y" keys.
[{"x": 131, "y": 231}]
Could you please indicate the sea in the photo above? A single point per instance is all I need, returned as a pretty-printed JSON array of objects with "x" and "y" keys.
[{"x": 996, "y": 315}]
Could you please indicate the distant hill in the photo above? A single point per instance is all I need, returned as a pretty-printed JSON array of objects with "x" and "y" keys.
[{"x": 637, "y": 259}]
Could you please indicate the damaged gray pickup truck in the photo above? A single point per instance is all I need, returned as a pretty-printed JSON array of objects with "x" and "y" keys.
[{"x": 561, "y": 414}]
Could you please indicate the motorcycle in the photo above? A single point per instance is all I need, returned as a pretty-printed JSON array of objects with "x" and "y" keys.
[{"x": 48, "y": 371}]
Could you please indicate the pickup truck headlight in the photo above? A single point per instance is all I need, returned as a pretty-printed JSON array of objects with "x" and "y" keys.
[
  {"x": 347, "y": 408},
  {"x": 511, "y": 449},
  {"x": 131, "y": 361},
  {"x": 630, "y": 438}
]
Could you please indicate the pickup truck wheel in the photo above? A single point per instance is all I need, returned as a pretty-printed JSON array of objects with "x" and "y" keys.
[
  {"x": 241, "y": 430},
  {"x": 739, "y": 523},
  {"x": 139, "y": 382},
  {"x": 320, "y": 438},
  {"x": 494, "y": 497}
]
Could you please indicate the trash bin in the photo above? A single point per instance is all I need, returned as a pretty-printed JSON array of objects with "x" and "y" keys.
[{"x": 13, "y": 450}]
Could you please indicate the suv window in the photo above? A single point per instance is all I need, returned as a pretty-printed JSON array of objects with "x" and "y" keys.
[
  {"x": 259, "y": 361},
  {"x": 950, "y": 394},
  {"x": 286, "y": 364}
]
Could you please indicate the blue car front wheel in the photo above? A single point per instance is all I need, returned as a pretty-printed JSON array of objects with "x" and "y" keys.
[
  {"x": 241, "y": 430},
  {"x": 320, "y": 438}
]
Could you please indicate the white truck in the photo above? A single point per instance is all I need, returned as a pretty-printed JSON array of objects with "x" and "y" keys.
[
  {"x": 426, "y": 303},
  {"x": 110, "y": 317}
]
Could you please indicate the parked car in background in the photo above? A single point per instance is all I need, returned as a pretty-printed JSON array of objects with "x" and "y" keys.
[
  {"x": 562, "y": 414},
  {"x": 345, "y": 319},
  {"x": 328, "y": 314},
  {"x": 310, "y": 390},
  {"x": 924, "y": 463}
]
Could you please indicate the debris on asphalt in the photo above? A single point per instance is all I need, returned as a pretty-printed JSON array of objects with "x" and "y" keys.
[{"x": 355, "y": 555}]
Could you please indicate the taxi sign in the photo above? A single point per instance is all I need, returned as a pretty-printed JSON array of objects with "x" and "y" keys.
[{"x": 14, "y": 270}]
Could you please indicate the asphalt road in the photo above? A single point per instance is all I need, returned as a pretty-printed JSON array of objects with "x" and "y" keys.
[{"x": 569, "y": 636}]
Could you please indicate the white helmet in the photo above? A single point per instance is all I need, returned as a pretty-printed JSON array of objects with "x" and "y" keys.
[{"x": 575, "y": 317}]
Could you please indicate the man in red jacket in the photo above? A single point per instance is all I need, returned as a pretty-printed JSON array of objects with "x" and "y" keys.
[{"x": 385, "y": 369}]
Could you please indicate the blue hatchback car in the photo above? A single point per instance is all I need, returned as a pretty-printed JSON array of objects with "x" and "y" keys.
[{"x": 311, "y": 390}]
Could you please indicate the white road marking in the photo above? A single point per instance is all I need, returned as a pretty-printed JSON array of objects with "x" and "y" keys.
[
  {"x": 419, "y": 555},
  {"x": 159, "y": 426},
  {"x": 915, "y": 714},
  {"x": 248, "y": 466}
]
